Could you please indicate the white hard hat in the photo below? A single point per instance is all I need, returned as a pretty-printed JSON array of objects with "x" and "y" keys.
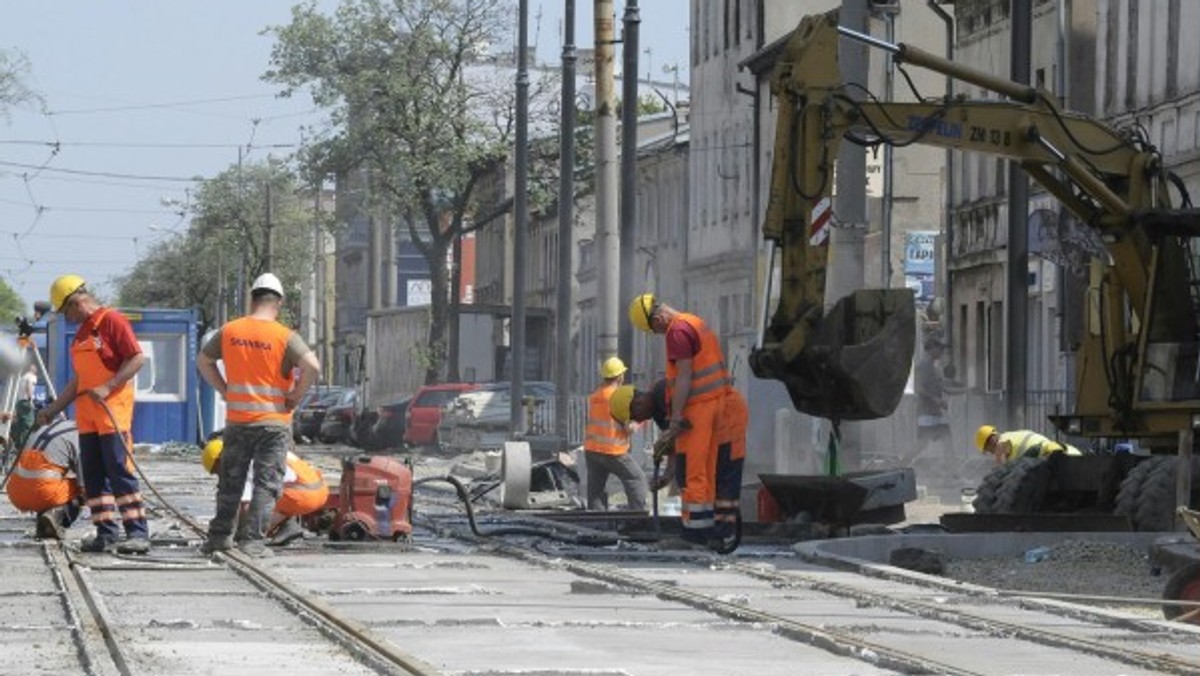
[{"x": 268, "y": 282}]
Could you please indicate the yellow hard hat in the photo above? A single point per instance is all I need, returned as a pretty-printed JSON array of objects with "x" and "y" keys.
[
  {"x": 612, "y": 367},
  {"x": 620, "y": 403},
  {"x": 640, "y": 310},
  {"x": 982, "y": 435},
  {"x": 211, "y": 453},
  {"x": 62, "y": 288}
]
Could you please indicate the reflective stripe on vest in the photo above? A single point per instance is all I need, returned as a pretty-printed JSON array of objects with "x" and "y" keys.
[
  {"x": 604, "y": 434},
  {"x": 709, "y": 378},
  {"x": 253, "y": 351},
  {"x": 1021, "y": 441}
]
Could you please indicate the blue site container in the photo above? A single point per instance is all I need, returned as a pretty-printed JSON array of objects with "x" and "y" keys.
[{"x": 166, "y": 400}]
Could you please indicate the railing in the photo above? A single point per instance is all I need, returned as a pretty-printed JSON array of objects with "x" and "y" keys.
[{"x": 1041, "y": 404}]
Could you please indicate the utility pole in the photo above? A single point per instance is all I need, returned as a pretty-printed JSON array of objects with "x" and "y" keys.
[
  {"x": 608, "y": 242},
  {"x": 521, "y": 205},
  {"x": 269, "y": 248},
  {"x": 1018, "y": 234},
  {"x": 566, "y": 226},
  {"x": 629, "y": 116},
  {"x": 846, "y": 268}
]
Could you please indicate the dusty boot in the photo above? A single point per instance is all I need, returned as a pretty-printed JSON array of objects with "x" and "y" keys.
[
  {"x": 255, "y": 548},
  {"x": 49, "y": 524},
  {"x": 97, "y": 544},
  {"x": 288, "y": 531},
  {"x": 214, "y": 545},
  {"x": 134, "y": 546}
]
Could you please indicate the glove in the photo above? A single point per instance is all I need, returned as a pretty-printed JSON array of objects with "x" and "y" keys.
[{"x": 664, "y": 446}]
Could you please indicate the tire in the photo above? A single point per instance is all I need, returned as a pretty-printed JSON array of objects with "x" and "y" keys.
[
  {"x": 1024, "y": 489},
  {"x": 1147, "y": 494},
  {"x": 1184, "y": 585},
  {"x": 985, "y": 495}
]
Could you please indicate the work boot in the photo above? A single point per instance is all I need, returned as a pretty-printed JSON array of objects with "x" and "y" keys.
[
  {"x": 49, "y": 524},
  {"x": 97, "y": 544},
  {"x": 212, "y": 546},
  {"x": 256, "y": 549},
  {"x": 134, "y": 546},
  {"x": 288, "y": 531}
]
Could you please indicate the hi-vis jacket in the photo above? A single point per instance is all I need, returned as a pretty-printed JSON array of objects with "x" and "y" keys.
[{"x": 253, "y": 351}]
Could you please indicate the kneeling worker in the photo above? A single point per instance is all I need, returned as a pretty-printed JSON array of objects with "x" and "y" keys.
[
  {"x": 304, "y": 492},
  {"x": 46, "y": 478},
  {"x": 1009, "y": 446}
]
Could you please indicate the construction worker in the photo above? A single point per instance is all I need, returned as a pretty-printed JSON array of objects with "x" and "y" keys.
[
  {"x": 105, "y": 355},
  {"x": 304, "y": 492},
  {"x": 46, "y": 478},
  {"x": 929, "y": 384},
  {"x": 633, "y": 405},
  {"x": 260, "y": 393},
  {"x": 606, "y": 445},
  {"x": 23, "y": 411},
  {"x": 696, "y": 386},
  {"x": 1009, "y": 446}
]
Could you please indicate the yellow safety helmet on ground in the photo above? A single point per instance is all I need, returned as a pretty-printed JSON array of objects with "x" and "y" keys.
[
  {"x": 640, "y": 311},
  {"x": 982, "y": 435},
  {"x": 62, "y": 288},
  {"x": 211, "y": 453},
  {"x": 612, "y": 367},
  {"x": 620, "y": 404}
]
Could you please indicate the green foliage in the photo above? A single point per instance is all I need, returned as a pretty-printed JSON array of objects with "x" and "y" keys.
[
  {"x": 412, "y": 103},
  {"x": 229, "y": 229},
  {"x": 14, "y": 67},
  {"x": 11, "y": 305}
]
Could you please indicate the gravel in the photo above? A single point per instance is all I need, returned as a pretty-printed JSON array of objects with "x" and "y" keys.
[{"x": 1071, "y": 567}]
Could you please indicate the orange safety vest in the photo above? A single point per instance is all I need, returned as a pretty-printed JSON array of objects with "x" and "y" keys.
[
  {"x": 306, "y": 494},
  {"x": 604, "y": 434},
  {"x": 253, "y": 352},
  {"x": 36, "y": 484},
  {"x": 709, "y": 378},
  {"x": 90, "y": 416}
]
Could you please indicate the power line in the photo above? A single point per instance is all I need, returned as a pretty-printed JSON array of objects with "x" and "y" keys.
[
  {"x": 106, "y": 174},
  {"x": 151, "y": 106},
  {"x": 126, "y": 144},
  {"x": 113, "y": 210}
]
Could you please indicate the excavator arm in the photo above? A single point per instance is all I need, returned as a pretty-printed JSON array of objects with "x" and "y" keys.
[{"x": 853, "y": 362}]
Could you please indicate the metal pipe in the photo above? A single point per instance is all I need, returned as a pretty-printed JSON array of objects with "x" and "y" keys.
[
  {"x": 948, "y": 224},
  {"x": 629, "y": 124},
  {"x": 870, "y": 40},
  {"x": 607, "y": 236},
  {"x": 521, "y": 227},
  {"x": 566, "y": 222},
  {"x": 889, "y": 157},
  {"x": 1017, "y": 296}
]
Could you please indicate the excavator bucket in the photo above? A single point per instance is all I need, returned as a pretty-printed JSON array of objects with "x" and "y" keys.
[{"x": 857, "y": 359}]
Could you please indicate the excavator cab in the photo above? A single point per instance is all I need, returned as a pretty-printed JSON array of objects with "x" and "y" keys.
[{"x": 852, "y": 362}]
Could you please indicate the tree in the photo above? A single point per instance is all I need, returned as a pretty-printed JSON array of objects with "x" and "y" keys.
[
  {"x": 229, "y": 230},
  {"x": 410, "y": 104},
  {"x": 13, "y": 92},
  {"x": 11, "y": 305}
]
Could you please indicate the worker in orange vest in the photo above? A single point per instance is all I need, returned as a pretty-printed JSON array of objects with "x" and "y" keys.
[
  {"x": 105, "y": 356},
  {"x": 696, "y": 386},
  {"x": 260, "y": 393},
  {"x": 304, "y": 492},
  {"x": 46, "y": 478},
  {"x": 633, "y": 405},
  {"x": 606, "y": 445}
]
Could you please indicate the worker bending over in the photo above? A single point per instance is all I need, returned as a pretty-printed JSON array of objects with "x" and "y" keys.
[
  {"x": 1008, "y": 446},
  {"x": 304, "y": 492},
  {"x": 606, "y": 445},
  {"x": 46, "y": 478}
]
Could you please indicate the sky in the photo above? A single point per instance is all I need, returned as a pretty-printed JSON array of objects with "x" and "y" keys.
[{"x": 140, "y": 97}]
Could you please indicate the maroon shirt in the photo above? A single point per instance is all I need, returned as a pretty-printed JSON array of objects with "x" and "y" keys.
[
  {"x": 682, "y": 341},
  {"x": 117, "y": 340}
]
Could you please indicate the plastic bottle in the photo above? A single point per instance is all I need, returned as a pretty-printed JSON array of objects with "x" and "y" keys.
[{"x": 1037, "y": 554}]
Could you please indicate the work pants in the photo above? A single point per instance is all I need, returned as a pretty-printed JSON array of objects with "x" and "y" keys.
[
  {"x": 625, "y": 468},
  {"x": 111, "y": 487},
  {"x": 695, "y": 468},
  {"x": 266, "y": 448},
  {"x": 730, "y": 458}
]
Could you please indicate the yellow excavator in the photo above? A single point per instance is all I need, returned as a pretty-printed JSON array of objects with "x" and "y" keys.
[{"x": 1138, "y": 375}]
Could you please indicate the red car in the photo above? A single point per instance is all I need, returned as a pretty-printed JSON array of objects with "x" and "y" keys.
[{"x": 425, "y": 411}]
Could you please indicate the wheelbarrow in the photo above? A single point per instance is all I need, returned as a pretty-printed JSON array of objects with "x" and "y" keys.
[{"x": 1184, "y": 584}]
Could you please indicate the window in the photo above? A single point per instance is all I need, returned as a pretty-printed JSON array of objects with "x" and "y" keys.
[{"x": 162, "y": 378}]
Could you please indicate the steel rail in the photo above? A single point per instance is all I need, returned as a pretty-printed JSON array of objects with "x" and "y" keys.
[{"x": 95, "y": 628}]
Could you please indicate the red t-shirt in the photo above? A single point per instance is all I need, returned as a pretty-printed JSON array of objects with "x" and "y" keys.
[
  {"x": 682, "y": 341},
  {"x": 117, "y": 340}
]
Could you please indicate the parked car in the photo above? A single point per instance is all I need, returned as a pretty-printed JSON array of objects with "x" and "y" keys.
[
  {"x": 338, "y": 423},
  {"x": 306, "y": 420},
  {"x": 388, "y": 430},
  {"x": 425, "y": 411},
  {"x": 481, "y": 419}
]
